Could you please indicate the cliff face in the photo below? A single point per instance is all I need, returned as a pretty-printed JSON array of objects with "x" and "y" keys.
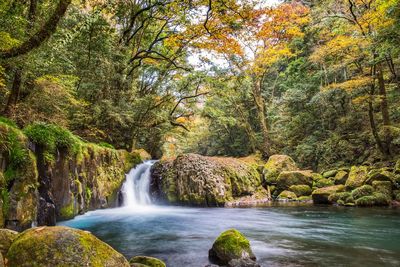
[{"x": 44, "y": 182}]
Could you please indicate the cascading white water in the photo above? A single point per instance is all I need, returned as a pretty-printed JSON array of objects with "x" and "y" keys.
[{"x": 135, "y": 189}]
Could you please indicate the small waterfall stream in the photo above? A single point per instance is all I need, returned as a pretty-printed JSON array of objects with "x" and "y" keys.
[{"x": 135, "y": 189}]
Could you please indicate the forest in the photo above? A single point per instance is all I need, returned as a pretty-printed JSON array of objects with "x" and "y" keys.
[
  {"x": 317, "y": 80},
  {"x": 156, "y": 126}
]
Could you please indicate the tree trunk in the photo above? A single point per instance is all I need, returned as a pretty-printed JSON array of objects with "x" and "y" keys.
[
  {"x": 372, "y": 122},
  {"x": 14, "y": 94},
  {"x": 384, "y": 108},
  {"x": 260, "y": 105}
]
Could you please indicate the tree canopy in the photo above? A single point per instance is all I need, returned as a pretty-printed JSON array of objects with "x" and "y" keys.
[{"x": 318, "y": 80}]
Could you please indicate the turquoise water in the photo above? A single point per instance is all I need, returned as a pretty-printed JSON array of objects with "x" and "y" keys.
[{"x": 280, "y": 236}]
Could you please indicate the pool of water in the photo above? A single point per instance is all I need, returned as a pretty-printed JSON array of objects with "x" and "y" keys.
[{"x": 279, "y": 235}]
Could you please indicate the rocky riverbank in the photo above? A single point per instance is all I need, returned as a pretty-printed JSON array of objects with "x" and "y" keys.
[
  {"x": 192, "y": 179},
  {"x": 48, "y": 174}
]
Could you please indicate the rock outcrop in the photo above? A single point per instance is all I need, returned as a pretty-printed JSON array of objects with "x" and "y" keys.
[
  {"x": 205, "y": 181},
  {"x": 61, "y": 246},
  {"x": 48, "y": 174},
  {"x": 359, "y": 186}
]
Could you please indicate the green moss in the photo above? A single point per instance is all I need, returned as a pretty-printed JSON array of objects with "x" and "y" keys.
[
  {"x": 61, "y": 246},
  {"x": 147, "y": 261},
  {"x": 378, "y": 199},
  {"x": 330, "y": 173},
  {"x": 323, "y": 183},
  {"x": 289, "y": 178},
  {"x": 384, "y": 187},
  {"x": 321, "y": 195},
  {"x": 357, "y": 177},
  {"x": 300, "y": 190},
  {"x": 304, "y": 199},
  {"x": 88, "y": 195},
  {"x": 49, "y": 135},
  {"x": 362, "y": 191},
  {"x": 341, "y": 177},
  {"x": 231, "y": 244},
  {"x": 107, "y": 145},
  {"x": 341, "y": 196},
  {"x": 68, "y": 212},
  {"x": 365, "y": 201},
  {"x": 287, "y": 195}
]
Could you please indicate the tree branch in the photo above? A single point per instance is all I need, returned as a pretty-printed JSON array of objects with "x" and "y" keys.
[{"x": 42, "y": 35}]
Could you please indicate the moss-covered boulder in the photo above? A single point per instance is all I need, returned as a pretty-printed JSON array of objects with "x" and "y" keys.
[
  {"x": 341, "y": 198},
  {"x": 61, "y": 246},
  {"x": 397, "y": 167},
  {"x": 341, "y": 177},
  {"x": 230, "y": 245},
  {"x": 7, "y": 236},
  {"x": 324, "y": 182},
  {"x": 321, "y": 195},
  {"x": 362, "y": 191},
  {"x": 288, "y": 178},
  {"x": 330, "y": 173},
  {"x": 275, "y": 165},
  {"x": 146, "y": 261},
  {"x": 301, "y": 190},
  {"x": 287, "y": 195},
  {"x": 204, "y": 181},
  {"x": 357, "y": 177},
  {"x": 384, "y": 187},
  {"x": 380, "y": 175},
  {"x": 376, "y": 199}
]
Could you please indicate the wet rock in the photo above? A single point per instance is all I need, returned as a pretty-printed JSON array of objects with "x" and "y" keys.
[
  {"x": 61, "y": 246},
  {"x": 357, "y": 177},
  {"x": 243, "y": 263},
  {"x": 146, "y": 261},
  {"x": 321, "y": 195},
  {"x": 7, "y": 236},
  {"x": 231, "y": 245}
]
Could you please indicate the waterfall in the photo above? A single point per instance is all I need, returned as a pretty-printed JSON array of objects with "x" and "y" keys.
[{"x": 135, "y": 189}]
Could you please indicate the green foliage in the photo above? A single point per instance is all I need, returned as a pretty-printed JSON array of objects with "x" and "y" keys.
[
  {"x": 50, "y": 136},
  {"x": 107, "y": 145}
]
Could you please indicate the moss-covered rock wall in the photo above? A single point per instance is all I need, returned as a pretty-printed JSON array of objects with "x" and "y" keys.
[
  {"x": 206, "y": 181},
  {"x": 48, "y": 174}
]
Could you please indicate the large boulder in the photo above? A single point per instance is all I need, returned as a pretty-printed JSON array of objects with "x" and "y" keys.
[
  {"x": 230, "y": 245},
  {"x": 362, "y": 191},
  {"x": 301, "y": 190},
  {"x": 205, "y": 181},
  {"x": 287, "y": 195},
  {"x": 146, "y": 261},
  {"x": 6, "y": 238},
  {"x": 61, "y": 246},
  {"x": 341, "y": 177},
  {"x": 321, "y": 195},
  {"x": 357, "y": 177},
  {"x": 277, "y": 164},
  {"x": 380, "y": 175},
  {"x": 288, "y": 178}
]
